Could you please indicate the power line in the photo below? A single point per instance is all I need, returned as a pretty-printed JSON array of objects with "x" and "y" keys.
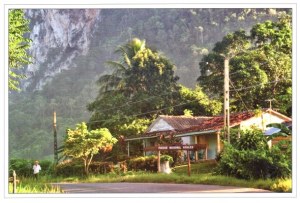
[
  {"x": 238, "y": 95},
  {"x": 259, "y": 84},
  {"x": 134, "y": 102},
  {"x": 96, "y": 121},
  {"x": 185, "y": 102}
]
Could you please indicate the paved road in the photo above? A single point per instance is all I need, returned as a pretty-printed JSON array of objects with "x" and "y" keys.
[{"x": 151, "y": 188}]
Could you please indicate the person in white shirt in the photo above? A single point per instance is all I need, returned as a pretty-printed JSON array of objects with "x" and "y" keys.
[{"x": 36, "y": 169}]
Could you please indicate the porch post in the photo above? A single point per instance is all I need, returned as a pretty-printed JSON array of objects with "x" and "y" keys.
[
  {"x": 158, "y": 161},
  {"x": 196, "y": 151},
  {"x": 218, "y": 142},
  {"x": 144, "y": 145}
]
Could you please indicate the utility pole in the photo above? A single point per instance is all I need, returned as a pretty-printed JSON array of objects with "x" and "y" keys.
[
  {"x": 226, "y": 99},
  {"x": 55, "y": 139}
]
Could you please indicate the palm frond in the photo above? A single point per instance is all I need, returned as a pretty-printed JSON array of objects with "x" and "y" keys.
[{"x": 116, "y": 65}]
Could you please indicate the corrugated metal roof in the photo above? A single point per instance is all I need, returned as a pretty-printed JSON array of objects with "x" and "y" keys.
[{"x": 217, "y": 122}]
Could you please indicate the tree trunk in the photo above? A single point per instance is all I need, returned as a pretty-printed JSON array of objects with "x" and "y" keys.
[{"x": 86, "y": 171}]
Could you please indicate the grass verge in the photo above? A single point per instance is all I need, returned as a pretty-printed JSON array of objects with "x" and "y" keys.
[{"x": 201, "y": 173}]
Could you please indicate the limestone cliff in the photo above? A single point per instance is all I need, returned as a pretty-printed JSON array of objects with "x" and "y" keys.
[{"x": 58, "y": 36}]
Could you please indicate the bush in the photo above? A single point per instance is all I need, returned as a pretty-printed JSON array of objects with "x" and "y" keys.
[
  {"x": 70, "y": 168},
  {"x": 148, "y": 163},
  {"x": 23, "y": 167},
  {"x": 47, "y": 167},
  {"x": 253, "y": 164},
  {"x": 282, "y": 186},
  {"x": 101, "y": 167},
  {"x": 252, "y": 139}
]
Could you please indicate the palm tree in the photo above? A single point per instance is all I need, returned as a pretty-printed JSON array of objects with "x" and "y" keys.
[{"x": 122, "y": 69}]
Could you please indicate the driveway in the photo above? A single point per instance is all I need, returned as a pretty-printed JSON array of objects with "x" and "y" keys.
[{"x": 152, "y": 188}]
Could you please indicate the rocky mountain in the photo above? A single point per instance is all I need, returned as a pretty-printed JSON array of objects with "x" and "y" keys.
[
  {"x": 58, "y": 36},
  {"x": 184, "y": 35}
]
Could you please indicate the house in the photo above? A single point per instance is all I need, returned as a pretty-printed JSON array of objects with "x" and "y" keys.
[{"x": 206, "y": 130}]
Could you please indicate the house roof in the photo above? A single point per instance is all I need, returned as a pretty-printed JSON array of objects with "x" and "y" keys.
[
  {"x": 179, "y": 122},
  {"x": 187, "y": 124},
  {"x": 217, "y": 122}
]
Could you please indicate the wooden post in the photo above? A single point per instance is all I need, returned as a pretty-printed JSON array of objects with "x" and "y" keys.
[
  {"x": 14, "y": 182},
  {"x": 144, "y": 145},
  {"x": 196, "y": 151},
  {"x": 128, "y": 154},
  {"x": 218, "y": 142},
  {"x": 55, "y": 139},
  {"x": 189, "y": 162},
  {"x": 158, "y": 161}
]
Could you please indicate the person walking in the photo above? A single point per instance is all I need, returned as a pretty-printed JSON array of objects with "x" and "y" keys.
[{"x": 36, "y": 169}]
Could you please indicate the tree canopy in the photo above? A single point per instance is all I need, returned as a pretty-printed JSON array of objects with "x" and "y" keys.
[
  {"x": 83, "y": 144},
  {"x": 259, "y": 72},
  {"x": 142, "y": 81},
  {"x": 18, "y": 45}
]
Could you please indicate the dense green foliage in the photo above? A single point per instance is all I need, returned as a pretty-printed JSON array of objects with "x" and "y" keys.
[
  {"x": 258, "y": 72},
  {"x": 143, "y": 163},
  {"x": 147, "y": 163},
  {"x": 250, "y": 158},
  {"x": 23, "y": 167},
  {"x": 252, "y": 139},
  {"x": 18, "y": 46},
  {"x": 83, "y": 144},
  {"x": 76, "y": 168}
]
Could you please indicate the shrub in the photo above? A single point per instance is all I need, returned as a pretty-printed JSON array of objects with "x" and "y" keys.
[
  {"x": 282, "y": 185},
  {"x": 23, "y": 167},
  {"x": 252, "y": 139},
  {"x": 70, "y": 168},
  {"x": 166, "y": 158},
  {"x": 47, "y": 167},
  {"x": 253, "y": 164},
  {"x": 148, "y": 163},
  {"x": 101, "y": 167}
]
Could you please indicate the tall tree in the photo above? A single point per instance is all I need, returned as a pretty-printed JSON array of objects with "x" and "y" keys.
[
  {"x": 143, "y": 81},
  {"x": 18, "y": 45},
  {"x": 261, "y": 72}
]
